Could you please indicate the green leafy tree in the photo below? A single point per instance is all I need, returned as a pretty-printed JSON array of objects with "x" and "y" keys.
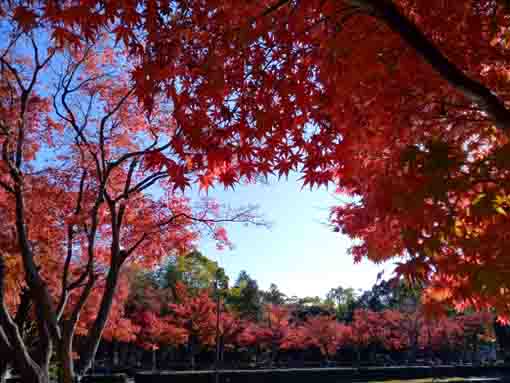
[
  {"x": 245, "y": 297},
  {"x": 342, "y": 300},
  {"x": 195, "y": 270},
  {"x": 390, "y": 294},
  {"x": 311, "y": 301},
  {"x": 274, "y": 296}
]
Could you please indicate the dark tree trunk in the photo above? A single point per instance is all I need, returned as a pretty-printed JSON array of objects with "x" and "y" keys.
[
  {"x": 4, "y": 369},
  {"x": 326, "y": 358},
  {"x": 272, "y": 355},
  {"x": 503, "y": 339},
  {"x": 222, "y": 352},
  {"x": 32, "y": 373},
  {"x": 88, "y": 352},
  {"x": 123, "y": 353},
  {"x": 115, "y": 353},
  {"x": 13, "y": 346},
  {"x": 66, "y": 357}
]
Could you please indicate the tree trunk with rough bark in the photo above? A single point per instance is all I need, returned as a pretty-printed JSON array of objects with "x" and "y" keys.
[
  {"x": 13, "y": 347},
  {"x": 89, "y": 350},
  {"x": 4, "y": 369},
  {"x": 66, "y": 359},
  {"x": 34, "y": 374}
]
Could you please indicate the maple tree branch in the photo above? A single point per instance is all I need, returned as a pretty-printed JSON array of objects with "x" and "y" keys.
[
  {"x": 120, "y": 216},
  {"x": 241, "y": 216},
  {"x": 149, "y": 181},
  {"x": 25, "y": 96},
  {"x": 275, "y": 7},
  {"x": 127, "y": 156},
  {"x": 67, "y": 263},
  {"x": 105, "y": 118},
  {"x": 146, "y": 235},
  {"x": 7, "y": 157},
  {"x": 489, "y": 102},
  {"x": 131, "y": 170},
  {"x": 10, "y": 336},
  {"x": 13, "y": 42},
  {"x": 14, "y": 72},
  {"x": 89, "y": 270},
  {"x": 80, "y": 192},
  {"x": 70, "y": 115},
  {"x": 86, "y": 114},
  {"x": 117, "y": 258},
  {"x": 6, "y": 187},
  {"x": 38, "y": 64},
  {"x": 64, "y": 85},
  {"x": 23, "y": 308},
  {"x": 65, "y": 292},
  {"x": 86, "y": 81},
  {"x": 73, "y": 319},
  {"x": 70, "y": 230},
  {"x": 69, "y": 325},
  {"x": 91, "y": 237},
  {"x": 137, "y": 244},
  {"x": 69, "y": 74},
  {"x": 143, "y": 184}
]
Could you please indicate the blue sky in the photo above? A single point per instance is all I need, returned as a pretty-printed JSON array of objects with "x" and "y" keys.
[{"x": 299, "y": 252}]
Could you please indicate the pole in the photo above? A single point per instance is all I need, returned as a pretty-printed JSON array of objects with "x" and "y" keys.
[{"x": 218, "y": 307}]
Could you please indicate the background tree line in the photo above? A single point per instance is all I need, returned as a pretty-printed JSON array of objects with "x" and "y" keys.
[{"x": 173, "y": 313}]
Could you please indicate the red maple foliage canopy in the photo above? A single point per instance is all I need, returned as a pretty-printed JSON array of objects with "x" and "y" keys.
[{"x": 400, "y": 103}]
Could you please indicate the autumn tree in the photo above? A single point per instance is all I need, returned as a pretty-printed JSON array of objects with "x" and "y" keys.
[
  {"x": 197, "y": 316},
  {"x": 443, "y": 335},
  {"x": 231, "y": 330},
  {"x": 147, "y": 308},
  {"x": 156, "y": 330},
  {"x": 366, "y": 330},
  {"x": 327, "y": 334},
  {"x": 89, "y": 185},
  {"x": 263, "y": 337}
]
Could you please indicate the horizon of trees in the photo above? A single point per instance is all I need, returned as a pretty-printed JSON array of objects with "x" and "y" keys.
[{"x": 387, "y": 320}]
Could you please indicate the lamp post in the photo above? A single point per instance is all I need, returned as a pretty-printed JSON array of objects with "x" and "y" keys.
[{"x": 218, "y": 308}]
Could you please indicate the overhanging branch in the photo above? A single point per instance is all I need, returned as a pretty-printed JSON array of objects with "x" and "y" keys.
[{"x": 489, "y": 102}]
